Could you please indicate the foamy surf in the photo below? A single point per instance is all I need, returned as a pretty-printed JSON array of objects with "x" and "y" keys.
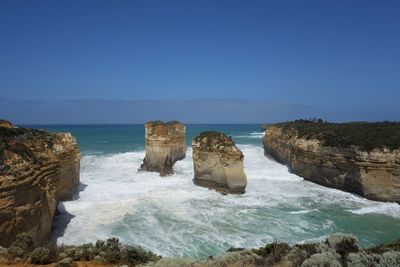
[
  {"x": 257, "y": 135},
  {"x": 172, "y": 216}
]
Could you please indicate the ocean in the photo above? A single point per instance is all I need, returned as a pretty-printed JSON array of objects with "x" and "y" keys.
[{"x": 173, "y": 217}]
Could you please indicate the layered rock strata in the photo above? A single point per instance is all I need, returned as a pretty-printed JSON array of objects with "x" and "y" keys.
[
  {"x": 372, "y": 174},
  {"x": 165, "y": 145},
  {"x": 218, "y": 163},
  {"x": 37, "y": 169}
]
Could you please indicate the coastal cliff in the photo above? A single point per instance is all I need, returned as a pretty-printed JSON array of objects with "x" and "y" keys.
[
  {"x": 165, "y": 145},
  {"x": 218, "y": 163},
  {"x": 362, "y": 158},
  {"x": 37, "y": 169}
]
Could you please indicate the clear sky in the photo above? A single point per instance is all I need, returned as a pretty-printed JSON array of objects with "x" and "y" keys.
[{"x": 199, "y": 61}]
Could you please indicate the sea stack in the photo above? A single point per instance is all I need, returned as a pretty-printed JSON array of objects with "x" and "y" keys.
[
  {"x": 218, "y": 163},
  {"x": 165, "y": 145},
  {"x": 37, "y": 169},
  {"x": 362, "y": 158}
]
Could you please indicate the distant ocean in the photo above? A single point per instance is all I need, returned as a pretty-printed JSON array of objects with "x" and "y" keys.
[{"x": 171, "y": 216}]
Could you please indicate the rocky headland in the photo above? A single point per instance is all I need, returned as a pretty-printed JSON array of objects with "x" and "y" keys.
[
  {"x": 165, "y": 145},
  {"x": 37, "y": 169},
  {"x": 362, "y": 158},
  {"x": 218, "y": 163}
]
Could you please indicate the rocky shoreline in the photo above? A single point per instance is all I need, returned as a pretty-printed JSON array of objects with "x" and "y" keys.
[{"x": 364, "y": 168}]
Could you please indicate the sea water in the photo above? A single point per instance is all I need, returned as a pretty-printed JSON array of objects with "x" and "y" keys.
[{"x": 173, "y": 217}]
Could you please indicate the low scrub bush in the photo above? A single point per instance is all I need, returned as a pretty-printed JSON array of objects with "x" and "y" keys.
[
  {"x": 323, "y": 259},
  {"x": 275, "y": 251},
  {"x": 337, "y": 250},
  {"x": 365, "y": 135},
  {"x": 40, "y": 255}
]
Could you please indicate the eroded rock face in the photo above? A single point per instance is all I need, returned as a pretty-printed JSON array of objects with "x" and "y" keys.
[
  {"x": 165, "y": 145},
  {"x": 218, "y": 163},
  {"x": 6, "y": 124},
  {"x": 37, "y": 169},
  {"x": 374, "y": 175}
]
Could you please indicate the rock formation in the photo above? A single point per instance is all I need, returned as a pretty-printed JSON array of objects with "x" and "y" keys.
[
  {"x": 372, "y": 174},
  {"x": 165, "y": 145},
  {"x": 37, "y": 169},
  {"x": 218, "y": 163},
  {"x": 6, "y": 124}
]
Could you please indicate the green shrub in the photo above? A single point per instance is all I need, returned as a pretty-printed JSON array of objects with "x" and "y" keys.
[
  {"x": 390, "y": 259},
  {"x": 343, "y": 243},
  {"x": 363, "y": 259},
  {"x": 237, "y": 258},
  {"x": 100, "y": 244},
  {"x": 275, "y": 251},
  {"x": 296, "y": 256},
  {"x": 99, "y": 260},
  {"x": 392, "y": 246},
  {"x": 15, "y": 252},
  {"x": 4, "y": 255},
  {"x": 24, "y": 241},
  {"x": 324, "y": 259},
  {"x": 173, "y": 262},
  {"x": 67, "y": 262},
  {"x": 136, "y": 255},
  {"x": 309, "y": 248},
  {"x": 112, "y": 250},
  {"x": 40, "y": 255},
  {"x": 365, "y": 135}
]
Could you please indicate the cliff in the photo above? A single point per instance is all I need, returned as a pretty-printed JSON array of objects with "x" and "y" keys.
[
  {"x": 37, "y": 169},
  {"x": 361, "y": 158},
  {"x": 218, "y": 163},
  {"x": 165, "y": 145}
]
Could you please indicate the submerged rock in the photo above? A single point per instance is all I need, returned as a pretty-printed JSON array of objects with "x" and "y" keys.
[
  {"x": 218, "y": 163},
  {"x": 165, "y": 145},
  {"x": 37, "y": 169},
  {"x": 373, "y": 173}
]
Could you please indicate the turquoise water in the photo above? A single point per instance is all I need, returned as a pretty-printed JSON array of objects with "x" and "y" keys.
[
  {"x": 108, "y": 139},
  {"x": 172, "y": 216}
]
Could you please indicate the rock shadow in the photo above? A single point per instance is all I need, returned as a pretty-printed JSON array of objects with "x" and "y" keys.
[{"x": 60, "y": 222}]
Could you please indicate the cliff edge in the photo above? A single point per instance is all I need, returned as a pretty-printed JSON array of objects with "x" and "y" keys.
[
  {"x": 37, "y": 169},
  {"x": 362, "y": 158}
]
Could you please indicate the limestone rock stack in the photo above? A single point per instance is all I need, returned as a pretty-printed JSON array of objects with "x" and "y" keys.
[
  {"x": 165, "y": 145},
  {"x": 37, "y": 169},
  {"x": 218, "y": 163}
]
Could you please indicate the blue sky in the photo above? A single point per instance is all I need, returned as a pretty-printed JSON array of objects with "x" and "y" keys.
[{"x": 219, "y": 61}]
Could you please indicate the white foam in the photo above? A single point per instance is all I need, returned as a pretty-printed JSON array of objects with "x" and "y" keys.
[
  {"x": 257, "y": 135},
  {"x": 391, "y": 209},
  {"x": 172, "y": 216}
]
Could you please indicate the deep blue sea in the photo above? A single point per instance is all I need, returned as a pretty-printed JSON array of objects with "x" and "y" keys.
[{"x": 171, "y": 216}]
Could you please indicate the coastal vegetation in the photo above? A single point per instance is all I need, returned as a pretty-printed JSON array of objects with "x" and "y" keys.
[
  {"x": 365, "y": 135},
  {"x": 337, "y": 250}
]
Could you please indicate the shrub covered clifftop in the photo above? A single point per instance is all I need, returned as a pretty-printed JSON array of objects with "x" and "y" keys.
[
  {"x": 336, "y": 250},
  {"x": 365, "y": 135}
]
